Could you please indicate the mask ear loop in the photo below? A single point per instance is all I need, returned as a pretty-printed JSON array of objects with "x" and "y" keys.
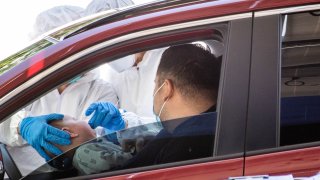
[
  {"x": 162, "y": 107},
  {"x": 158, "y": 89}
]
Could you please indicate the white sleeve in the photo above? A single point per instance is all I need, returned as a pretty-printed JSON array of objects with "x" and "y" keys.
[
  {"x": 8, "y": 130},
  {"x": 141, "y": 128},
  {"x": 131, "y": 119},
  {"x": 106, "y": 93}
]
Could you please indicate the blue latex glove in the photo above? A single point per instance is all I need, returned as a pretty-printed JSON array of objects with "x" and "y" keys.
[
  {"x": 105, "y": 115},
  {"x": 39, "y": 134}
]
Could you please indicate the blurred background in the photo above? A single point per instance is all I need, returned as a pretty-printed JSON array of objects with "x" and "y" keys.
[{"x": 17, "y": 18}]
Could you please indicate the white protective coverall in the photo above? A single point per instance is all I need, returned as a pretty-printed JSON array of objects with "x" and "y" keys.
[
  {"x": 73, "y": 101},
  {"x": 135, "y": 86},
  {"x": 102, "y": 5},
  {"x": 55, "y": 17}
]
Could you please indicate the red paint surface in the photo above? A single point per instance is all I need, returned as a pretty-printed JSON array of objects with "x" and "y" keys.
[
  {"x": 212, "y": 170},
  {"x": 301, "y": 162},
  {"x": 35, "y": 68}
]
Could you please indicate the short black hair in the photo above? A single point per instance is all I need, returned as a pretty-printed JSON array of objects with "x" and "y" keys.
[{"x": 193, "y": 70}]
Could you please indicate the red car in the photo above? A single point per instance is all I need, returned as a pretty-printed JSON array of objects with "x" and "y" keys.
[{"x": 269, "y": 96}]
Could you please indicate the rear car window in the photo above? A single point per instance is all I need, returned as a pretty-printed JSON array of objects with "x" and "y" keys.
[{"x": 300, "y": 79}]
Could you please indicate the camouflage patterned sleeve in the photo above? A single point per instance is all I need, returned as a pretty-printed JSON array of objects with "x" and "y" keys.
[{"x": 96, "y": 157}]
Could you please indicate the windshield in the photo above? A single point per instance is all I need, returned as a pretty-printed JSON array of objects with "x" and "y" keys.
[{"x": 17, "y": 58}]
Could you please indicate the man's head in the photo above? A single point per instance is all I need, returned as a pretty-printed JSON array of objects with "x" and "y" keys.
[
  {"x": 80, "y": 132},
  {"x": 187, "y": 81}
]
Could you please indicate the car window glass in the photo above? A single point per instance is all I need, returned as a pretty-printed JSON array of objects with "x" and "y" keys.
[
  {"x": 300, "y": 79},
  {"x": 132, "y": 86}
]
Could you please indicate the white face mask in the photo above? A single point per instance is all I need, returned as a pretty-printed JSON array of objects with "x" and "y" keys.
[
  {"x": 158, "y": 116},
  {"x": 75, "y": 79},
  {"x": 122, "y": 64}
]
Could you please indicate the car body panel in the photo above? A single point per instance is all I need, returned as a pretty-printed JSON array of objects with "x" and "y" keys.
[{"x": 300, "y": 162}]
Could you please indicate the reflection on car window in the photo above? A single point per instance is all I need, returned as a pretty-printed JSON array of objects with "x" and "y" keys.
[
  {"x": 176, "y": 140},
  {"x": 300, "y": 79},
  {"x": 22, "y": 55}
]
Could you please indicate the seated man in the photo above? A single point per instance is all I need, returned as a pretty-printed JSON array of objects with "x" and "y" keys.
[{"x": 185, "y": 98}]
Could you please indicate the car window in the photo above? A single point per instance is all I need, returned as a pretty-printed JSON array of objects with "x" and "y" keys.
[
  {"x": 300, "y": 79},
  {"x": 142, "y": 98}
]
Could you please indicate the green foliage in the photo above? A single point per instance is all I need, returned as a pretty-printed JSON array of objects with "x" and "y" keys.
[{"x": 22, "y": 55}]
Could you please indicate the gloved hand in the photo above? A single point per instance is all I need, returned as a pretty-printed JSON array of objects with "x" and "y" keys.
[
  {"x": 39, "y": 134},
  {"x": 105, "y": 115}
]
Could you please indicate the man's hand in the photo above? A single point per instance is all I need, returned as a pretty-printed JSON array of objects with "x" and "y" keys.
[{"x": 39, "y": 134}]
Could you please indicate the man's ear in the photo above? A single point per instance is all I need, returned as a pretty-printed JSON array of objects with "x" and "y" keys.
[
  {"x": 72, "y": 134},
  {"x": 169, "y": 89}
]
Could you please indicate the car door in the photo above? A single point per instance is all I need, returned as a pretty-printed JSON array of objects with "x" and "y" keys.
[
  {"x": 234, "y": 31},
  {"x": 283, "y": 120}
]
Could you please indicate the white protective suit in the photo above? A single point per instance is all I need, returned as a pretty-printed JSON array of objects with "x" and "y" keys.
[
  {"x": 73, "y": 101},
  {"x": 135, "y": 86},
  {"x": 55, "y": 17},
  {"x": 102, "y": 5}
]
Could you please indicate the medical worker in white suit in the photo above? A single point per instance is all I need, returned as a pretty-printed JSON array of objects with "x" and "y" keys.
[{"x": 134, "y": 86}]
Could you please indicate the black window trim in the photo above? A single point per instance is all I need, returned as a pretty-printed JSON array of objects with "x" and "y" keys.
[{"x": 233, "y": 106}]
